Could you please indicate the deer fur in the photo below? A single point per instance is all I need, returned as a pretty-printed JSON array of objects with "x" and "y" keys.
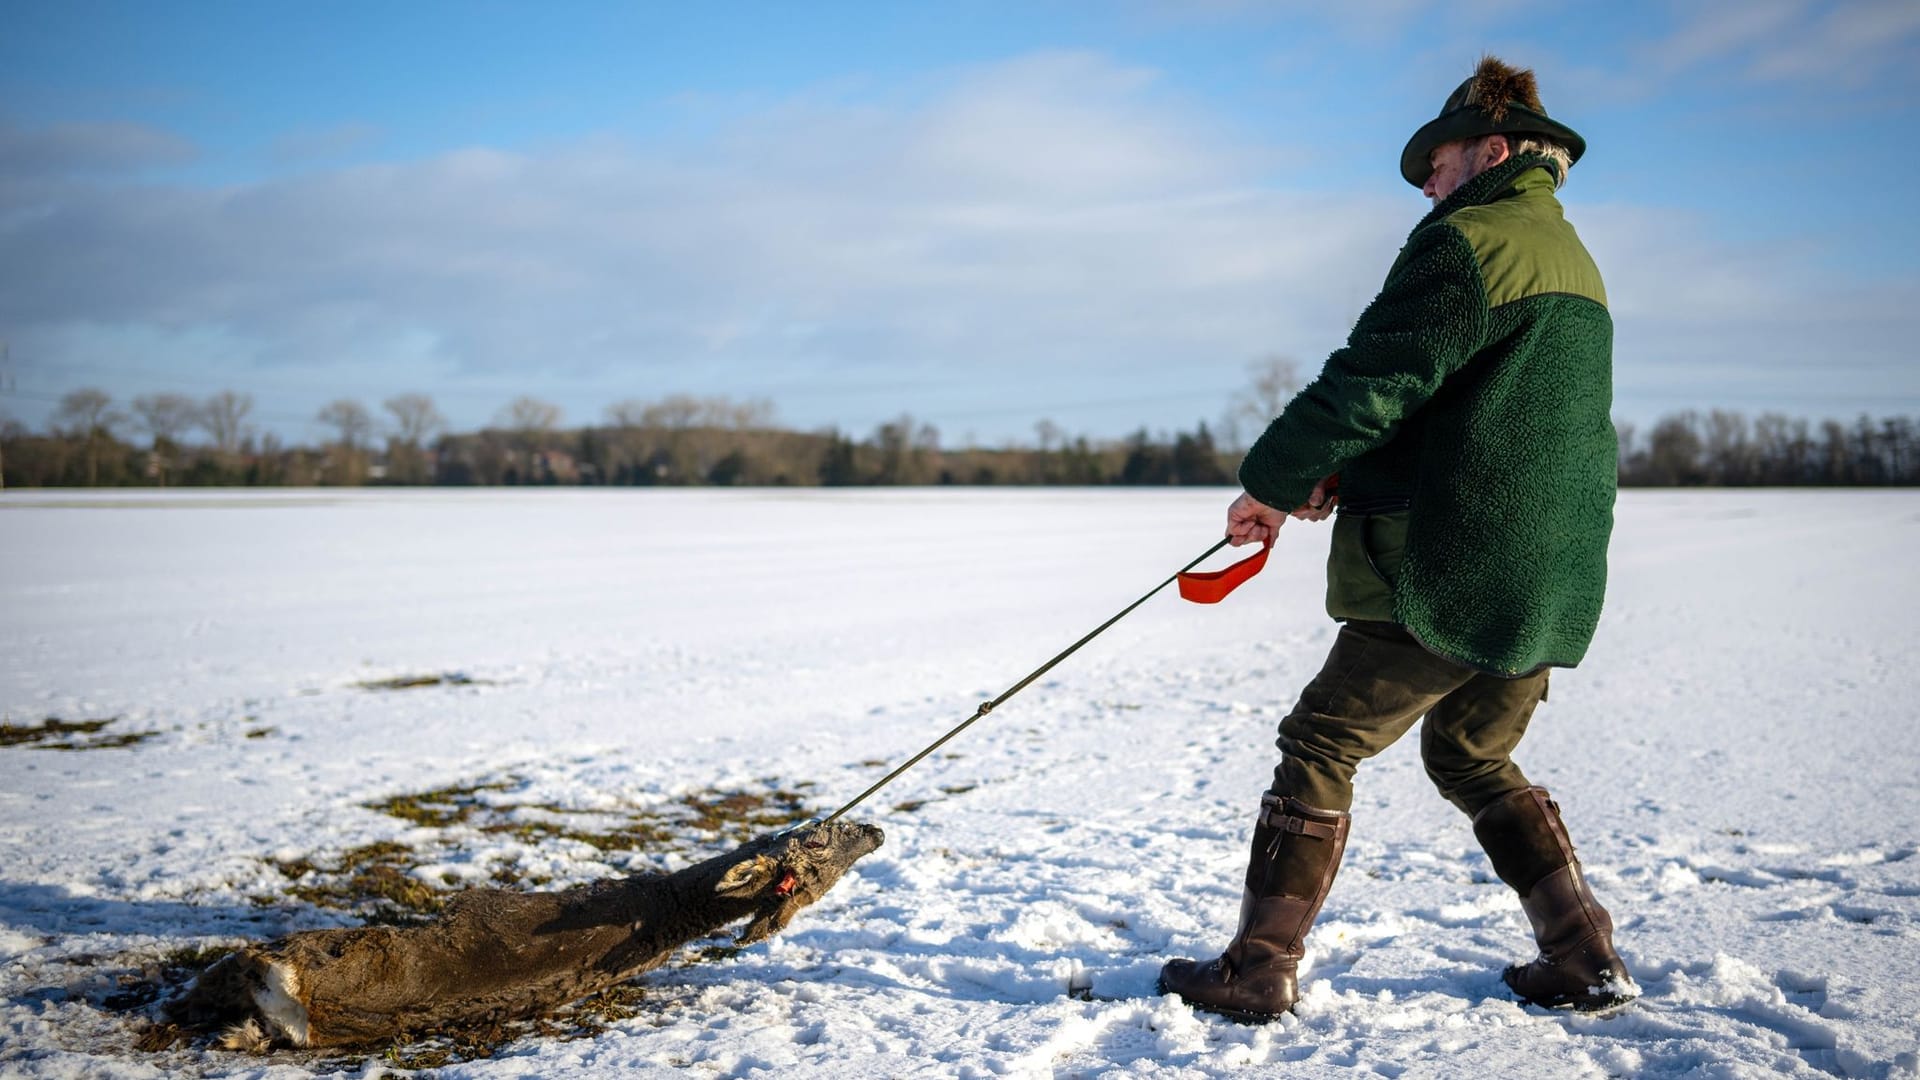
[{"x": 499, "y": 955}]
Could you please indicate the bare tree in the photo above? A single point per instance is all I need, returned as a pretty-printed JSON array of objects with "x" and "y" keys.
[
  {"x": 627, "y": 414},
  {"x": 354, "y": 424},
  {"x": 1271, "y": 382},
  {"x": 164, "y": 417},
  {"x": 87, "y": 409},
  {"x": 1902, "y": 454},
  {"x": 1674, "y": 451},
  {"x": 224, "y": 418},
  {"x": 750, "y": 415},
  {"x": 89, "y": 414},
  {"x": 1729, "y": 449},
  {"x": 675, "y": 412},
  {"x": 717, "y": 439},
  {"x": 414, "y": 420},
  {"x": 1047, "y": 433},
  {"x": 630, "y": 451},
  {"x": 908, "y": 452},
  {"x": 530, "y": 414},
  {"x": 350, "y": 419},
  {"x": 1624, "y": 438},
  {"x": 532, "y": 422},
  {"x": 669, "y": 424},
  {"x": 1836, "y": 465},
  {"x": 683, "y": 438}
]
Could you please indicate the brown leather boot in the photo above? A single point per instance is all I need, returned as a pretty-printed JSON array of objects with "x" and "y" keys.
[
  {"x": 1296, "y": 852},
  {"x": 1577, "y": 966}
]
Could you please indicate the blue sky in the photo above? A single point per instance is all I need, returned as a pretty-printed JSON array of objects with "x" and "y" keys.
[{"x": 982, "y": 214}]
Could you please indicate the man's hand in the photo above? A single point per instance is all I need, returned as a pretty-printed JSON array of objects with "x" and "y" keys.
[
  {"x": 1320, "y": 504},
  {"x": 1250, "y": 521}
]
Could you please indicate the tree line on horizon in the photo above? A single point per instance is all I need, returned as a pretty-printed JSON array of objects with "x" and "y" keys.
[
  {"x": 682, "y": 440},
  {"x": 678, "y": 440}
]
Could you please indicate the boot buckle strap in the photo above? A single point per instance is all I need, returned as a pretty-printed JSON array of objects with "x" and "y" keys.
[{"x": 1273, "y": 813}]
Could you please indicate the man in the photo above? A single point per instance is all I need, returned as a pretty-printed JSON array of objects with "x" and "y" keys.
[{"x": 1464, "y": 433}]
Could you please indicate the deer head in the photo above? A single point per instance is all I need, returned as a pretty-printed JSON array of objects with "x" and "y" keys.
[{"x": 795, "y": 869}]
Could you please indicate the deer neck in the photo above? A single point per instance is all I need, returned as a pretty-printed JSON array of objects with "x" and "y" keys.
[{"x": 696, "y": 908}]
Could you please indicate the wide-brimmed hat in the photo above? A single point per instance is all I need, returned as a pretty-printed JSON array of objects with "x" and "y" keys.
[{"x": 1497, "y": 100}]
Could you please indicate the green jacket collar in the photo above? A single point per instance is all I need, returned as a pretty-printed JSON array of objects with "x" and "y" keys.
[{"x": 1515, "y": 176}]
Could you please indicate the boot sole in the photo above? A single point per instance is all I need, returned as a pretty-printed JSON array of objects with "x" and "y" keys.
[
  {"x": 1238, "y": 1016},
  {"x": 1606, "y": 1006},
  {"x": 1599, "y": 1010},
  {"x": 1596, "y": 1005}
]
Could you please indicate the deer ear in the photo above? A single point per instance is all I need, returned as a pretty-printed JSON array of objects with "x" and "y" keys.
[{"x": 747, "y": 878}]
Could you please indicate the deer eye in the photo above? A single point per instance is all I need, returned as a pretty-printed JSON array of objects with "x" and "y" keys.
[{"x": 814, "y": 842}]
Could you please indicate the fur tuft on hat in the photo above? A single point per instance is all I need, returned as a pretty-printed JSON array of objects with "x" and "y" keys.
[{"x": 1497, "y": 84}]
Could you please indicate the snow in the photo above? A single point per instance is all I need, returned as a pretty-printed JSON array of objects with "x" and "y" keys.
[{"x": 1737, "y": 761}]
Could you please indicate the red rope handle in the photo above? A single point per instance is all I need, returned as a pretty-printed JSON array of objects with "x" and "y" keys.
[{"x": 1212, "y": 586}]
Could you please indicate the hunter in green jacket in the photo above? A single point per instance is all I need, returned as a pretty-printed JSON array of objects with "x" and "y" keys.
[
  {"x": 1472, "y": 405},
  {"x": 1464, "y": 434}
]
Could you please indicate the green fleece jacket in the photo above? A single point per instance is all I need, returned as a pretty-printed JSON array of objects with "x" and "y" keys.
[{"x": 1475, "y": 395}]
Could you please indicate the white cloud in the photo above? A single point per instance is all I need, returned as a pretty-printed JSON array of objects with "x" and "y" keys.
[
  {"x": 1847, "y": 42},
  {"x": 1054, "y": 226},
  {"x": 1854, "y": 41},
  {"x": 1025, "y": 240}
]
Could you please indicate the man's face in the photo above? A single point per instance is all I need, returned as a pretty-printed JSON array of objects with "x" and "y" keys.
[
  {"x": 1451, "y": 168},
  {"x": 1457, "y": 162}
]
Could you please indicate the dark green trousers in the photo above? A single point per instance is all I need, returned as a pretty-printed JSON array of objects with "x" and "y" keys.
[{"x": 1376, "y": 683}]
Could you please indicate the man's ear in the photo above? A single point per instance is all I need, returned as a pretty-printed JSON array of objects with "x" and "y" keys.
[
  {"x": 1495, "y": 149},
  {"x": 747, "y": 878}
]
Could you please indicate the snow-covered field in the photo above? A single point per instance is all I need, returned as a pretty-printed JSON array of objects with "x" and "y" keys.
[{"x": 1737, "y": 759}]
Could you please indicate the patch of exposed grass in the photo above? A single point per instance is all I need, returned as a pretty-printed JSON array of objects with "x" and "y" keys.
[
  {"x": 440, "y": 807},
  {"x": 382, "y": 883},
  {"x": 639, "y": 834},
  {"x": 157, "y": 1037},
  {"x": 414, "y": 682},
  {"x": 742, "y": 814},
  {"x": 511, "y": 876},
  {"x": 527, "y": 832},
  {"x": 373, "y": 880},
  {"x": 52, "y": 727},
  {"x": 593, "y": 1015},
  {"x": 736, "y": 815},
  {"x": 54, "y": 733},
  {"x": 378, "y": 853}
]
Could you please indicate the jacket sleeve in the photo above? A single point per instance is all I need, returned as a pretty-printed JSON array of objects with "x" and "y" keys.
[{"x": 1429, "y": 319}]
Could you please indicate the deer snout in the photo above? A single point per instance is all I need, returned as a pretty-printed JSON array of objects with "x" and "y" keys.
[{"x": 868, "y": 838}]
